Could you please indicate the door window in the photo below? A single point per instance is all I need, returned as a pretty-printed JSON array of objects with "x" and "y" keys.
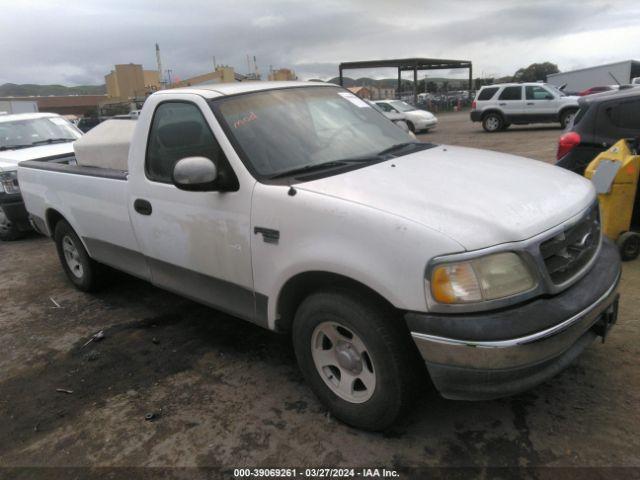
[
  {"x": 537, "y": 93},
  {"x": 511, "y": 93},
  {"x": 178, "y": 130}
]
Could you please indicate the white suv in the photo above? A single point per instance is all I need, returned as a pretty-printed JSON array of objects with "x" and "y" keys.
[{"x": 498, "y": 106}]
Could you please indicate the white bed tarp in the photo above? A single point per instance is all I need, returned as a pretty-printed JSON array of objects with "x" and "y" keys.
[{"x": 106, "y": 145}]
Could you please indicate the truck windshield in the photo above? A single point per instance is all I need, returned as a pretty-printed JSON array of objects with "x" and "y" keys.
[
  {"x": 293, "y": 129},
  {"x": 36, "y": 131}
]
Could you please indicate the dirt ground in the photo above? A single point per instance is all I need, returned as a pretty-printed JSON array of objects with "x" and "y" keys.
[{"x": 225, "y": 393}]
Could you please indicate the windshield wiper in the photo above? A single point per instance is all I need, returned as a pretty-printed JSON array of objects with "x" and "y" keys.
[
  {"x": 53, "y": 140},
  {"x": 401, "y": 146},
  {"x": 12, "y": 147},
  {"x": 324, "y": 165}
]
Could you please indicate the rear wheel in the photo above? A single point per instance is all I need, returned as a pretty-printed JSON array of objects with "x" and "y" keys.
[
  {"x": 81, "y": 270},
  {"x": 356, "y": 356},
  {"x": 566, "y": 117},
  {"x": 629, "y": 245},
  {"x": 8, "y": 230},
  {"x": 493, "y": 122}
]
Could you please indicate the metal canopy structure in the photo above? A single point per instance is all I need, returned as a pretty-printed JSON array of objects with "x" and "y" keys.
[{"x": 414, "y": 64}]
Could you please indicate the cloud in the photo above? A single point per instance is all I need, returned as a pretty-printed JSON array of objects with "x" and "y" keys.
[
  {"x": 79, "y": 41},
  {"x": 268, "y": 21}
]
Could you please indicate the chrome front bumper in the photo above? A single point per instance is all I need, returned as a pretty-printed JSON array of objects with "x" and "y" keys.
[{"x": 480, "y": 368}]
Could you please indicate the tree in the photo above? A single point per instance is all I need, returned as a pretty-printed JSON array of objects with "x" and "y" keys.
[{"x": 535, "y": 72}]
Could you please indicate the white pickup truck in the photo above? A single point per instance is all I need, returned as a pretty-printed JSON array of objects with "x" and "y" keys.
[{"x": 300, "y": 208}]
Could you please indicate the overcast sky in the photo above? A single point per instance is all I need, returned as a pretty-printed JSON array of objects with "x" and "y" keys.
[{"x": 78, "y": 41}]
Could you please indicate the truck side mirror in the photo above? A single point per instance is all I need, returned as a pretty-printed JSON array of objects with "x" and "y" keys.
[{"x": 197, "y": 174}]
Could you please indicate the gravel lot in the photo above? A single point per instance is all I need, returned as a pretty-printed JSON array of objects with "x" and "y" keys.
[{"x": 226, "y": 393}]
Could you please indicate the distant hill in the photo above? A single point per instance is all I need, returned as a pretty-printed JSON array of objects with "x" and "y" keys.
[{"x": 26, "y": 90}]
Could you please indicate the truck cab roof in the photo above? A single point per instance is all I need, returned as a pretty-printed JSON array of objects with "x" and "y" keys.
[{"x": 221, "y": 89}]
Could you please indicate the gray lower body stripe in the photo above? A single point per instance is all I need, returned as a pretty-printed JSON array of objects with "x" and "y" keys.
[{"x": 219, "y": 294}]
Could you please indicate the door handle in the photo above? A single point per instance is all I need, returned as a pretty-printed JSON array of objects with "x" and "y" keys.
[
  {"x": 530, "y": 103},
  {"x": 502, "y": 104},
  {"x": 143, "y": 207}
]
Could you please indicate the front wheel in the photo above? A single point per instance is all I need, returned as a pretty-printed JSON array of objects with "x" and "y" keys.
[
  {"x": 492, "y": 122},
  {"x": 81, "y": 270},
  {"x": 356, "y": 356},
  {"x": 8, "y": 230}
]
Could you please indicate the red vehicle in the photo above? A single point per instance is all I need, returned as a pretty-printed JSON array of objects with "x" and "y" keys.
[{"x": 600, "y": 89}]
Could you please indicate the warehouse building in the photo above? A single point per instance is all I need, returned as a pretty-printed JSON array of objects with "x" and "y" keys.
[
  {"x": 619, "y": 73},
  {"x": 130, "y": 80}
]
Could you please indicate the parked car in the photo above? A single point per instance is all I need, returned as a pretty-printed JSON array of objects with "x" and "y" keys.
[
  {"x": 417, "y": 120},
  {"x": 600, "y": 89},
  {"x": 396, "y": 117},
  {"x": 27, "y": 136},
  {"x": 87, "y": 123},
  {"x": 499, "y": 106},
  {"x": 298, "y": 208},
  {"x": 601, "y": 121}
]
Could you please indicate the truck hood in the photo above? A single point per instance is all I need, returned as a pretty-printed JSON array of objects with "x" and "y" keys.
[
  {"x": 478, "y": 198},
  {"x": 9, "y": 159}
]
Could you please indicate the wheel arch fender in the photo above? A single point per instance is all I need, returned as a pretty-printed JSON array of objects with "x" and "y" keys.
[
  {"x": 299, "y": 286},
  {"x": 53, "y": 216},
  {"x": 485, "y": 113}
]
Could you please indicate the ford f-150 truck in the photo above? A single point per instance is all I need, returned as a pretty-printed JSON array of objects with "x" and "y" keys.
[{"x": 298, "y": 207}]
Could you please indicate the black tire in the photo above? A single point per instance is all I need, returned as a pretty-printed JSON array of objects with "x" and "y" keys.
[
  {"x": 566, "y": 116},
  {"x": 412, "y": 127},
  {"x": 86, "y": 277},
  {"x": 8, "y": 230},
  {"x": 629, "y": 245},
  {"x": 391, "y": 355},
  {"x": 493, "y": 122}
]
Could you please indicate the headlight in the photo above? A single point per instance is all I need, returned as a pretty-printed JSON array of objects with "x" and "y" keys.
[
  {"x": 480, "y": 279},
  {"x": 9, "y": 181}
]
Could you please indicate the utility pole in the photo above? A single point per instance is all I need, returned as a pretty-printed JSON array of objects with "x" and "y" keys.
[{"x": 160, "y": 79}]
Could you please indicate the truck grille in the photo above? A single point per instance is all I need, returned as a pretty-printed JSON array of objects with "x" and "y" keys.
[{"x": 566, "y": 254}]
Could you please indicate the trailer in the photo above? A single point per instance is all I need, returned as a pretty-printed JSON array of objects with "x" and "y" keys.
[
  {"x": 10, "y": 107},
  {"x": 619, "y": 73}
]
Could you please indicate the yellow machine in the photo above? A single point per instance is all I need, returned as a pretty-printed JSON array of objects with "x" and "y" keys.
[{"x": 615, "y": 175}]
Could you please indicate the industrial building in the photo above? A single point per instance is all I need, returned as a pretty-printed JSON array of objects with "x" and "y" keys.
[
  {"x": 130, "y": 81},
  {"x": 619, "y": 73},
  {"x": 221, "y": 74},
  {"x": 77, "y": 105},
  {"x": 282, "y": 75}
]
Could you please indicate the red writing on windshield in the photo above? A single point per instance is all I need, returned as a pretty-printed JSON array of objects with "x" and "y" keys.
[{"x": 244, "y": 120}]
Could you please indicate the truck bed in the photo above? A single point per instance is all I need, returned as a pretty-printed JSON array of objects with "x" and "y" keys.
[{"x": 93, "y": 200}]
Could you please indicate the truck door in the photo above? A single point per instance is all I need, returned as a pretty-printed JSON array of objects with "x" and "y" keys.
[
  {"x": 511, "y": 103},
  {"x": 196, "y": 243},
  {"x": 540, "y": 103}
]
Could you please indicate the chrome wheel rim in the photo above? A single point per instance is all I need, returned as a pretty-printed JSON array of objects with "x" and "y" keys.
[
  {"x": 343, "y": 362},
  {"x": 493, "y": 123},
  {"x": 72, "y": 257}
]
